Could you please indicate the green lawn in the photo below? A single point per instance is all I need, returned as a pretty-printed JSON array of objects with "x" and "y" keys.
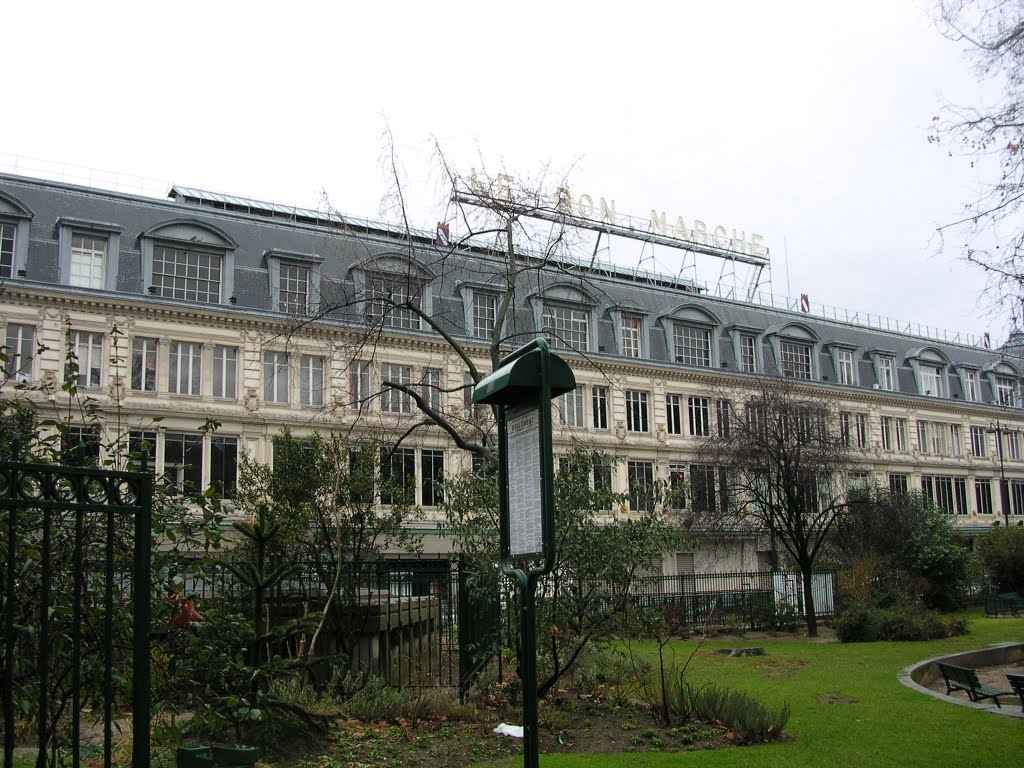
[{"x": 886, "y": 725}]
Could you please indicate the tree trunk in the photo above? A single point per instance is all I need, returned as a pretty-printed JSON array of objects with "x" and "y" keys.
[{"x": 809, "y": 614}]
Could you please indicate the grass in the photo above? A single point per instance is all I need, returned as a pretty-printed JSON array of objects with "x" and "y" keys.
[{"x": 848, "y": 708}]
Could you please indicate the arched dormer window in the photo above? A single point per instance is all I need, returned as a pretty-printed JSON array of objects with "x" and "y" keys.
[
  {"x": 189, "y": 260},
  {"x": 930, "y": 369},
  {"x": 395, "y": 290},
  {"x": 565, "y": 315},
  {"x": 14, "y": 225},
  {"x": 795, "y": 347},
  {"x": 1004, "y": 383},
  {"x": 691, "y": 334}
]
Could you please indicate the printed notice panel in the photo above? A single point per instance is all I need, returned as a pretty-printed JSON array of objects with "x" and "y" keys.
[{"x": 525, "y": 527}]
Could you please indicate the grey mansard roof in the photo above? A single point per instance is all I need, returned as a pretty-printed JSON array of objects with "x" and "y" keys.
[{"x": 256, "y": 233}]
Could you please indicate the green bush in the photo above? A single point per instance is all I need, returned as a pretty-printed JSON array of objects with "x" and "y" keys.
[
  {"x": 1001, "y": 552},
  {"x": 862, "y": 623},
  {"x": 750, "y": 720},
  {"x": 602, "y": 667}
]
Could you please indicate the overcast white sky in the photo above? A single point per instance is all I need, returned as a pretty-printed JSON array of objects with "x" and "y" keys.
[{"x": 803, "y": 121}]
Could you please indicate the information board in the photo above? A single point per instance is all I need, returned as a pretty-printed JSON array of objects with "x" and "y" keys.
[{"x": 525, "y": 518}]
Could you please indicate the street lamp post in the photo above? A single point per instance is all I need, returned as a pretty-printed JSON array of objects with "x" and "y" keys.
[{"x": 1004, "y": 489}]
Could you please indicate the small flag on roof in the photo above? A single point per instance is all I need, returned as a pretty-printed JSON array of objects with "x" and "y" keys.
[
  {"x": 805, "y": 303},
  {"x": 444, "y": 236}
]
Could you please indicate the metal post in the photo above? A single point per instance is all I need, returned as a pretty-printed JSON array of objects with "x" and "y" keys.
[
  {"x": 528, "y": 635},
  {"x": 142, "y": 617}
]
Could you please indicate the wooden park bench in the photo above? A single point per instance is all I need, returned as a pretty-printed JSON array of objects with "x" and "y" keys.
[
  {"x": 1017, "y": 684},
  {"x": 964, "y": 679}
]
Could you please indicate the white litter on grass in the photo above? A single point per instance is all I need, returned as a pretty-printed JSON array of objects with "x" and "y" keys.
[{"x": 515, "y": 731}]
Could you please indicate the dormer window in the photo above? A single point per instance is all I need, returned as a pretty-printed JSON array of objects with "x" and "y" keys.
[
  {"x": 566, "y": 327},
  {"x": 14, "y": 231},
  {"x": 931, "y": 381},
  {"x": 294, "y": 281},
  {"x": 692, "y": 345},
  {"x": 189, "y": 260},
  {"x": 886, "y": 373},
  {"x": 1005, "y": 390},
  {"x": 971, "y": 386},
  {"x": 796, "y": 360}
]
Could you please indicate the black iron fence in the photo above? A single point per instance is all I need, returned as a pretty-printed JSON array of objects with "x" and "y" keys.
[
  {"x": 413, "y": 622},
  {"x": 72, "y": 622},
  {"x": 743, "y": 600}
]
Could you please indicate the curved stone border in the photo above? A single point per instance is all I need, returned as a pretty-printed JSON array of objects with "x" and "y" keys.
[{"x": 920, "y": 675}]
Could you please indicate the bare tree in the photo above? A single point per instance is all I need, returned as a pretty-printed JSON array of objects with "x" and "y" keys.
[
  {"x": 993, "y": 136},
  {"x": 784, "y": 462}
]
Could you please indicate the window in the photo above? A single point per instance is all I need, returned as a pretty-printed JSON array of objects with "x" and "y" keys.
[
  {"x": 754, "y": 414},
  {"x": 702, "y": 488},
  {"x": 931, "y": 381},
  {"x": 939, "y": 439},
  {"x": 1012, "y": 445},
  {"x": 886, "y": 433},
  {"x": 983, "y": 495},
  {"x": 20, "y": 351},
  {"x": 862, "y": 431},
  {"x": 224, "y": 371},
  {"x": 748, "y": 354},
  {"x": 183, "y": 461},
  {"x": 87, "y": 358},
  {"x": 432, "y": 477},
  {"x": 700, "y": 417},
  {"x": 1017, "y": 497},
  {"x": 184, "y": 376},
  {"x": 293, "y": 288},
  {"x": 395, "y": 400},
  {"x": 674, "y": 414},
  {"x": 1005, "y": 391},
  {"x": 631, "y": 346},
  {"x": 360, "y": 474},
  {"x": 723, "y": 415},
  {"x": 956, "y": 440},
  {"x": 928, "y": 488},
  {"x": 676, "y": 486},
  {"x": 566, "y": 327},
  {"x": 88, "y": 257},
  {"x": 430, "y": 387},
  {"x": 224, "y": 465},
  {"x": 886, "y": 373},
  {"x": 393, "y": 301},
  {"x": 599, "y": 401},
  {"x": 186, "y": 274},
  {"x": 144, "y": 364},
  {"x": 142, "y": 443},
  {"x": 275, "y": 376},
  {"x": 922, "y": 437},
  {"x": 692, "y": 345},
  {"x": 359, "y": 385},
  {"x": 945, "y": 499},
  {"x": 796, "y": 360},
  {"x": 901, "y": 435},
  {"x": 636, "y": 411},
  {"x": 7, "y": 231},
  {"x": 844, "y": 428},
  {"x": 640, "y": 476},
  {"x": 844, "y": 366},
  {"x": 898, "y": 483},
  {"x": 960, "y": 494},
  {"x": 971, "y": 386},
  {"x": 570, "y": 408},
  {"x": 978, "y": 441},
  {"x": 311, "y": 380},
  {"x": 398, "y": 476},
  {"x": 485, "y": 312},
  {"x": 603, "y": 477}
]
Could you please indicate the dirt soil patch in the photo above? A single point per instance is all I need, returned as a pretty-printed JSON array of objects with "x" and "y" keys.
[{"x": 573, "y": 727}]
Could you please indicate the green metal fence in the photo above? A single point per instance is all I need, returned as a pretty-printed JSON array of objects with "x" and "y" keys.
[
  {"x": 412, "y": 621},
  {"x": 75, "y": 632}
]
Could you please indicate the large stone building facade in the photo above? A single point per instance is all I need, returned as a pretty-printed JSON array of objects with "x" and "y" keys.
[{"x": 204, "y": 306}]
